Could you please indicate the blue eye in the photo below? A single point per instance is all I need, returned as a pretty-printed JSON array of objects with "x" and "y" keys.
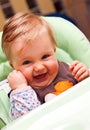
[
  {"x": 26, "y": 62},
  {"x": 45, "y": 56}
]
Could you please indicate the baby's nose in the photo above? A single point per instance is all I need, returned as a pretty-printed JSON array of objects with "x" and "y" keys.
[{"x": 39, "y": 67}]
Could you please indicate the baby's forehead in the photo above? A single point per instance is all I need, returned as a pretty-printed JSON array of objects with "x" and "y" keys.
[{"x": 31, "y": 35}]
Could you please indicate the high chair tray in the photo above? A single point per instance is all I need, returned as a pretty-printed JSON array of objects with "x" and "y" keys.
[{"x": 68, "y": 111}]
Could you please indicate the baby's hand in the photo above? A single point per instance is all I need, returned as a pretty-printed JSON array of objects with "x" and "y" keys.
[
  {"x": 16, "y": 80},
  {"x": 79, "y": 70}
]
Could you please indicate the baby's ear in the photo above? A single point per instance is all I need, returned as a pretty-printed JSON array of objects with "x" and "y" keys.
[
  {"x": 54, "y": 49},
  {"x": 11, "y": 64}
]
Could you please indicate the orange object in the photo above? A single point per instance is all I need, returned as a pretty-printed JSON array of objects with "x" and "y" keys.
[{"x": 62, "y": 86}]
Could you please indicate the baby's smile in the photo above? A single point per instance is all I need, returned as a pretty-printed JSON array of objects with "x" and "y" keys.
[{"x": 40, "y": 77}]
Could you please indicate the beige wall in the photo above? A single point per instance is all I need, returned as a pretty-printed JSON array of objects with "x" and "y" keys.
[
  {"x": 2, "y": 19},
  {"x": 19, "y": 5},
  {"x": 46, "y": 6}
]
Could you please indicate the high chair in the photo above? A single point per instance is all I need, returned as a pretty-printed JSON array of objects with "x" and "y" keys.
[{"x": 72, "y": 45}]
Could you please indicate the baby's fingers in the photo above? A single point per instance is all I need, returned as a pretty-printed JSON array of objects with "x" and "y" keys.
[{"x": 82, "y": 74}]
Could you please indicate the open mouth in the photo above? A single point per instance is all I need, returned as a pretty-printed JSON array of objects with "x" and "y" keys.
[{"x": 40, "y": 77}]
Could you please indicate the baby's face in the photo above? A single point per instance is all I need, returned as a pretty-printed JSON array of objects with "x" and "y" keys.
[{"x": 36, "y": 60}]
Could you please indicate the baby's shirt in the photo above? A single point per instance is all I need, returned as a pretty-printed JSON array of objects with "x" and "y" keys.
[
  {"x": 22, "y": 101},
  {"x": 63, "y": 81}
]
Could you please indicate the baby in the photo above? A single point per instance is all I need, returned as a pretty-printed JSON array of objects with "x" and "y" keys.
[{"x": 30, "y": 47}]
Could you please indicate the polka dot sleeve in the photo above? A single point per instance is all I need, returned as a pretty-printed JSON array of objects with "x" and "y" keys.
[{"x": 22, "y": 101}]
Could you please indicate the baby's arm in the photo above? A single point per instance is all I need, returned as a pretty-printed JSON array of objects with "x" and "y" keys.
[
  {"x": 22, "y": 98},
  {"x": 79, "y": 70},
  {"x": 22, "y": 101}
]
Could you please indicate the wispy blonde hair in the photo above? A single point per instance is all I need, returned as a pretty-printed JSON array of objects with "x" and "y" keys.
[{"x": 20, "y": 24}]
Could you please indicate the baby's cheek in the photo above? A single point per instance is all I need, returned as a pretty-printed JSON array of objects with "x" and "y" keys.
[
  {"x": 27, "y": 75},
  {"x": 54, "y": 68}
]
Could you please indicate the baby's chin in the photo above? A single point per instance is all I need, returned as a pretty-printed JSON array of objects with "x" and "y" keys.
[{"x": 40, "y": 84}]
